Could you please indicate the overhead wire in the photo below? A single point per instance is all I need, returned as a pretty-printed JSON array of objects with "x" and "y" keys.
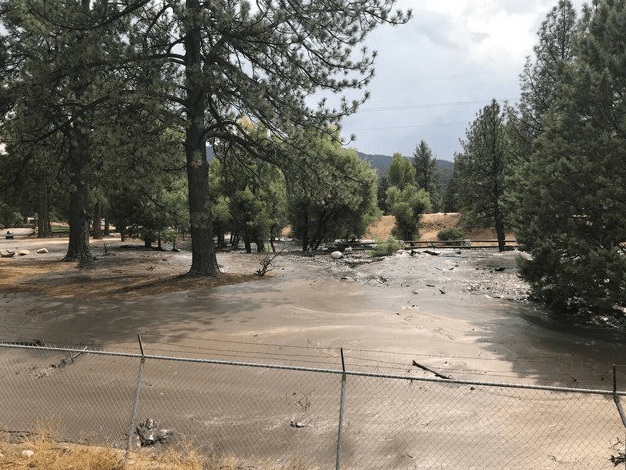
[{"x": 416, "y": 106}]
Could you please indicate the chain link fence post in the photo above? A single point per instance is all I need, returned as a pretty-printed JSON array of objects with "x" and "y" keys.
[
  {"x": 341, "y": 400},
  {"x": 619, "y": 406},
  {"x": 131, "y": 426}
]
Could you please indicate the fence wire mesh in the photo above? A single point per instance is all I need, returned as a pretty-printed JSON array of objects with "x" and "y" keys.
[{"x": 270, "y": 415}]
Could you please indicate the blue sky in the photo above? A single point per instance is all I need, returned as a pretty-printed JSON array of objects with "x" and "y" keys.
[{"x": 436, "y": 72}]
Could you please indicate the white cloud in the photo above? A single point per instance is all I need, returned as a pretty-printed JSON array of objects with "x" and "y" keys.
[
  {"x": 487, "y": 33},
  {"x": 455, "y": 55}
]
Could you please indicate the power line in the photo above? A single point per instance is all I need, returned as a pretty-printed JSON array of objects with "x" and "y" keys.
[
  {"x": 424, "y": 105},
  {"x": 404, "y": 127}
]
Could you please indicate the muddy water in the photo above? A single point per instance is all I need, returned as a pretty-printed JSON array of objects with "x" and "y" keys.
[{"x": 463, "y": 312}]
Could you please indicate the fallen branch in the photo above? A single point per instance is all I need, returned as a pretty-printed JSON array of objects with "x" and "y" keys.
[{"x": 427, "y": 369}]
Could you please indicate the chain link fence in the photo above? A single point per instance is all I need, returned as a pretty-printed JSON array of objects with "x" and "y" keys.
[{"x": 268, "y": 415}]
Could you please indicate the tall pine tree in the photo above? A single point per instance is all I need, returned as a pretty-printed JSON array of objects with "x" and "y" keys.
[
  {"x": 541, "y": 76},
  {"x": 261, "y": 63},
  {"x": 426, "y": 173},
  {"x": 570, "y": 218},
  {"x": 480, "y": 171},
  {"x": 59, "y": 70}
]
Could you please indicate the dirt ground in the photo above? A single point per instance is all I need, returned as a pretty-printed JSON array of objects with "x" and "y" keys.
[{"x": 462, "y": 313}]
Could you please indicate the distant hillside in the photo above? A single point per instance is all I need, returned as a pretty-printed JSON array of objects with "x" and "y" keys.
[{"x": 381, "y": 164}]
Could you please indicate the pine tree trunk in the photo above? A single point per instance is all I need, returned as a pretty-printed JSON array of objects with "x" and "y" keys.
[
  {"x": 97, "y": 221},
  {"x": 246, "y": 242},
  {"x": 305, "y": 229},
  {"x": 499, "y": 223},
  {"x": 79, "y": 158},
  {"x": 203, "y": 258},
  {"x": 78, "y": 246},
  {"x": 43, "y": 220}
]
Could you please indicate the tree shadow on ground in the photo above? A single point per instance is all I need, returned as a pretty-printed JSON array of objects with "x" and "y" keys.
[{"x": 552, "y": 349}]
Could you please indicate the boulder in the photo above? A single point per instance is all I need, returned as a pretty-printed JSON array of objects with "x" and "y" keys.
[
  {"x": 7, "y": 254},
  {"x": 23, "y": 252},
  {"x": 42, "y": 251},
  {"x": 336, "y": 255}
]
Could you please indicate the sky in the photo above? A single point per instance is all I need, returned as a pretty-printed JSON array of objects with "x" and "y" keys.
[{"x": 436, "y": 72}]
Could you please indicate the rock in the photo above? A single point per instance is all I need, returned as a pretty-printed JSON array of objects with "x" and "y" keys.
[
  {"x": 23, "y": 252},
  {"x": 297, "y": 424},
  {"x": 348, "y": 249},
  {"x": 27, "y": 453},
  {"x": 336, "y": 255},
  {"x": 7, "y": 254},
  {"x": 43, "y": 251},
  {"x": 431, "y": 252}
]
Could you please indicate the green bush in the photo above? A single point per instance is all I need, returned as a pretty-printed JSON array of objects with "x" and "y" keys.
[
  {"x": 385, "y": 248},
  {"x": 451, "y": 234}
]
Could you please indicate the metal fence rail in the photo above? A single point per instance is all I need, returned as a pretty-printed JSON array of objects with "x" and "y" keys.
[{"x": 268, "y": 414}]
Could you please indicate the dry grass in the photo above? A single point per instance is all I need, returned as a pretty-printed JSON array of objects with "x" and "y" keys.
[
  {"x": 381, "y": 228},
  {"x": 430, "y": 226},
  {"x": 50, "y": 455}
]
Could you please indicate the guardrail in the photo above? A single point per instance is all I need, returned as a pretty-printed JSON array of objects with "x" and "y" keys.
[{"x": 466, "y": 244}]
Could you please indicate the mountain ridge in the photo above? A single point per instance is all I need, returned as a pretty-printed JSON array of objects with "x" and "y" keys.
[{"x": 381, "y": 163}]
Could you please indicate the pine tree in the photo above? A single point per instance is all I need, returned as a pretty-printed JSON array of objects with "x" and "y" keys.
[
  {"x": 254, "y": 195},
  {"x": 58, "y": 71},
  {"x": 220, "y": 61},
  {"x": 541, "y": 77},
  {"x": 426, "y": 173},
  {"x": 337, "y": 200},
  {"x": 260, "y": 63},
  {"x": 570, "y": 219},
  {"x": 401, "y": 172},
  {"x": 480, "y": 171},
  {"x": 407, "y": 205}
]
